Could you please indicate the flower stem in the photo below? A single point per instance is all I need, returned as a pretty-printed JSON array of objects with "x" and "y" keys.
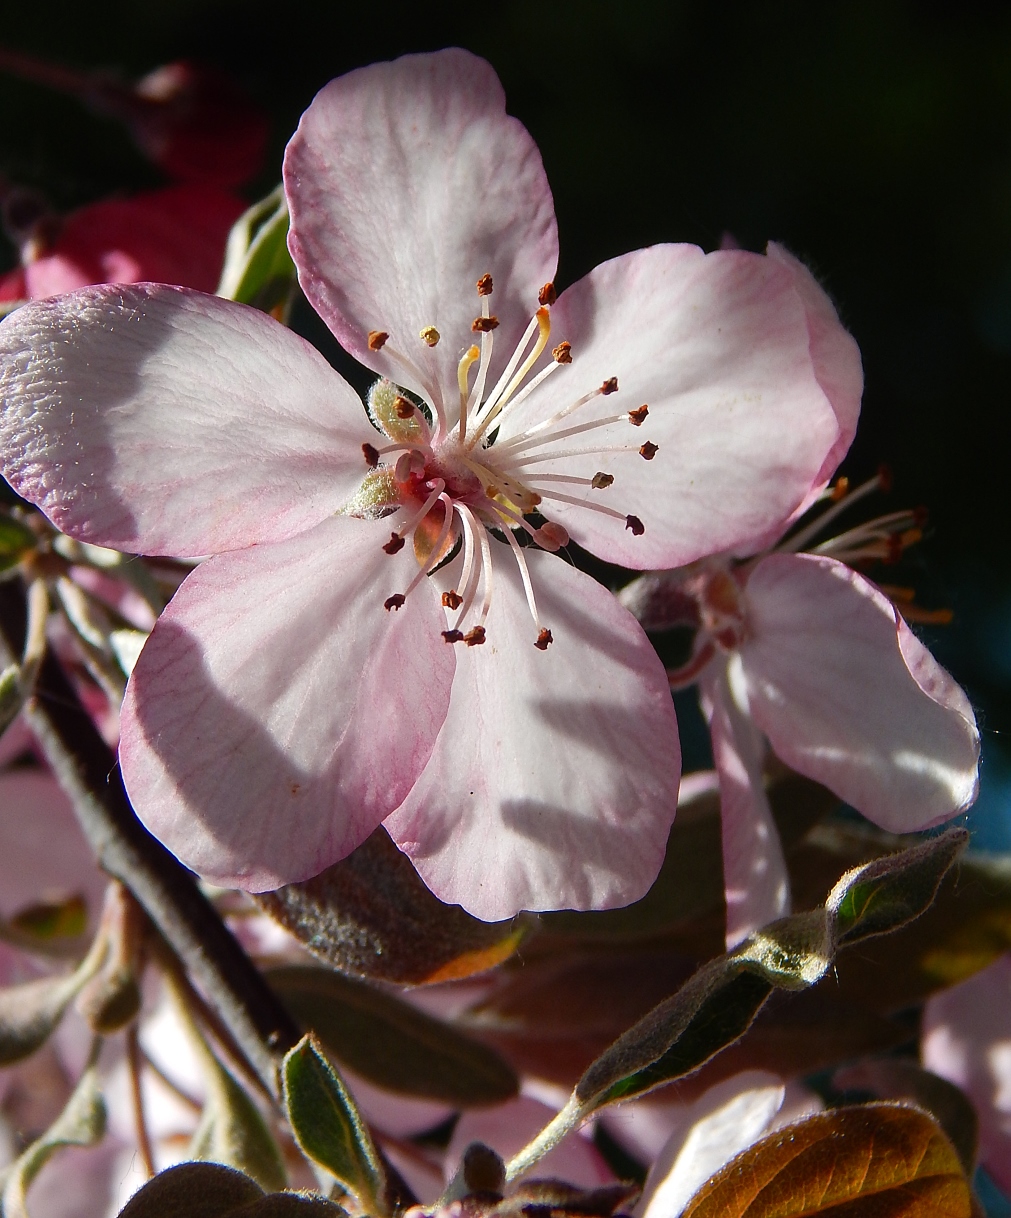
[
  {"x": 570, "y": 1118},
  {"x": 86, "y": 769}
]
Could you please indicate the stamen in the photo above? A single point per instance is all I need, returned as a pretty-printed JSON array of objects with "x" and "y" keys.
[
  {"x": 430, "y": 336},
  {"x": 547, "y": 295},
  {"x": 514, "y": 359},
  {"x": 609, "y": 386},
  {"x": 528, "y": 587},
  {"x": 600, "y": 482},
  {"x": 436, "y": 555},
  {"x": 494, "y": 405},
  {"x": 485, "y": 285},
  {"x": 395, "y": 544},
  {"x": 413, "y": 521},
  {"x": 487, "y": 346},
  {"x": 527, "y": 389},
  {"x": 648, "y": 451},
  {"x": 636, "y": 525},
  {"x": 394, "y": 601},
  {"x": 483, "y": 325},
  {"x": 377, "y": 339},
  {"x": 800, "y": 539},
  {"x": 453, "y": 636},
  {"x": 544, "y": 639},
  {"x": 462, "y": 372},
  {"x": 521, "y": 461},
  {"x": 638, "y": 416},
  {"x": 451, "y": 599},
  {"x": 432, "y": 391},
  {"x": 475, "y": 637},
  {"x": 562, "y": 354},
  {"x": 529, "y": 438},
  {"x": 371, "y": 455},
  {"x": 880, "y": 529},
  {"x": 558, "y": 497},
  {"x": 404, "y": 408},
  {"x": 688, "y": 674},
  {"x": 470, "y": 574}
]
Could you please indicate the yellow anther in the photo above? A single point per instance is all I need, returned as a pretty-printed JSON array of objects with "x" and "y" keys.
[{"x": 430, "y": 335}]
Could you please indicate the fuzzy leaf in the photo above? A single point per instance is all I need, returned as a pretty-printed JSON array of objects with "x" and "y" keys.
[
  {"x": 30, "y": 1013},
  {"x": 871, "y": 1161},
  {"x": 328, "y": 1126},
  {"x": 391, "y": 1043},
  {"x": 81, "y": 1123},
  {"x": 258, "y": 268},
  {"x": 372, "y": 915},
  {"x": 209, "y": 1190}
]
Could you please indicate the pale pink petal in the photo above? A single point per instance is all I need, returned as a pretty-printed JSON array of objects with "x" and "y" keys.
[
  {"x": 278, "y": 712},
  {"x": 723, "y": 1121},
  {"x": 163, "y": 421},
  {"x": 554, "y": 780},
  {"x": 407, "y": 182},
  {"x": 717, "y": 345},
  {"x": 967, "y": 1040},
  {"x": 508, "y": 1127},
  {"x": 43, "y": 853},
  {"x": 836, "y": 360},
  {"x": 850, "y": 698},
  {"x": 755, "y": 878},
  {"x": 396, "y": 1116}
]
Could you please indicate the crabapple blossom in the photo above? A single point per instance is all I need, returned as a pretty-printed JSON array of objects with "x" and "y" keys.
[
  {"x": 801, "y": 650},
  {"x": 369, "y": 641}
]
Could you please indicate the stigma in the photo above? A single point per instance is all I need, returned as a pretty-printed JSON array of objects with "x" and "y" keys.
[{"x": 457, "y": 487}]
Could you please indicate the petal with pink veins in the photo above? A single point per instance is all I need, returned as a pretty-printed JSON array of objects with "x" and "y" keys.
[
  {"x": 407, "y": 182},
  {"x": 161, "y": 421},
  {"x": 717, "y": 346},
  {"x": 848, "y": 696},
  {"x": 755, "y": 878},
  {"x": 278, "y": 712},
  {"x": 554, "y": 780}
]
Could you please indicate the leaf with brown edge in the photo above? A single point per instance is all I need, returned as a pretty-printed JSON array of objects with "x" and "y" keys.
[
  {"x": 372, "y": 915},
  {"x": 868, "y": 1161}
]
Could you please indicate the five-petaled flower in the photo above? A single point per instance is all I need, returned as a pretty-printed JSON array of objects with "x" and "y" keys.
[{"x": 369, "y": 641}]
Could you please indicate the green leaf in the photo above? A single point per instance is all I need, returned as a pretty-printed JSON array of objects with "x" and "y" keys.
[
  {"x": 328, "y": 1126},
  {"x": 258, "y": 269},
  {"x": 208, "y": 1190},
  {"x": 31, "y": 1012},
  {"x": 883, "y": 895},
  {"x": 869, "y": 1161},
  {"x": 16, "y": 540},
  {"x": 372, "y": 915},
  {"x": 391, "y": 1043},
  {"x": 81, "y": 1123}
]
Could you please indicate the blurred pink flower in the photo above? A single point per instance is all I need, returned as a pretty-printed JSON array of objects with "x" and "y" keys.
[{"x": 519, "y": 743}]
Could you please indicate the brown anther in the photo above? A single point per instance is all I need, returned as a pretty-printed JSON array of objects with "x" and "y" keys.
[
  {"x": 600, "y": 481},
  {"x": 893, "y": 551},
  {"x": 547, "y": 295},
  {"x": 394, "y": 601},
  {"x": 609, "y": 386},
  {"x": 562, "y": 354},
  {"x": 544, "y": 640},
  {"x": 475, "y": 637},
  {"x": 910, "y": 537},
  {"x": 371, "y": 455},
  {"x": 491, "y": 491},
  {"x": 648, "y": 450},
  {"x": 429, "y": 335},
  {"x": 395, "y": 544},
  {"x": 920, "y": 516},
  {"x": 485, "y": 285},
  {"x": 404, "y": 408},
  {"x": 636, "y": 525},
  {"x": 452, "y": 599},
  {"x": 453, "y": 636},
  {"x": 885, "y": 477},
  {"x": 638, "y": 417},
  {"x": 377, "y": 339},
  {"x": 482, "y": 325},
  {"x": 840, "y": 490}
]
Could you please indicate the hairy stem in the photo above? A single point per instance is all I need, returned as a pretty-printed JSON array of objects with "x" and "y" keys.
[{"x": 86, "y": 769}]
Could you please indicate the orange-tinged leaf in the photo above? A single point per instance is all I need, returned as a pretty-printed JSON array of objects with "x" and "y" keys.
[{"x": 868, "y": 1161}]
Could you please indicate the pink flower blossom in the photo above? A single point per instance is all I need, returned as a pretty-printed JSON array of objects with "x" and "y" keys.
[
  {"x": 967, "y": 1040},
  {"x": 321, "y": 673},
  {"x": 802, "y": 651}
]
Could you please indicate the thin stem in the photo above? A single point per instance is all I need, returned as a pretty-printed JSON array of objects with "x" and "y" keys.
[
  {"x": 570, "y": 1118},
  {"x": 86, "y": 769},
  {"x": 133, "y": 1060}
]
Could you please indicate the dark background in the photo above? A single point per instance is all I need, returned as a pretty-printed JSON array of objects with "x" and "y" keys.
[{"x": 873, "y": 139}]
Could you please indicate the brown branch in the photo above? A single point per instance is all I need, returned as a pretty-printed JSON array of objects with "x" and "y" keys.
[{"x": 86, "y": 769}]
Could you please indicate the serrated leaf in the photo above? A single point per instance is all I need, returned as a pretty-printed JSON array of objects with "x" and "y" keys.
[
  {"x": 883, "y": 895},
  {"x": 869, "y": 1161},
  {"x": 81, "y": 1123},
  {"x": 390, "y": 1042},
  {"x": 209, "y": 1190},
  {"x": 328, "y": 1126},
  {"x": 372, "y": 915}
]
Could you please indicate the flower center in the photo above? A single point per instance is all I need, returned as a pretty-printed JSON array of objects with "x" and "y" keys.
[{"x": 459, "y": 484}]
